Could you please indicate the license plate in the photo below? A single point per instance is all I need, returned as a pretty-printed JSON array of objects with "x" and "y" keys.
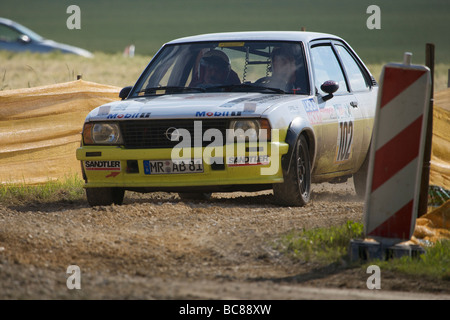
[{"x": 173, "y": 166}]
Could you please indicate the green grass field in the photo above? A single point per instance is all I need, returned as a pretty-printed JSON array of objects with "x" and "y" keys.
[
  {"x": 110, "y": 25},
  {"x": 27, "y": 70},
  {"x": 107, "y": 27}
]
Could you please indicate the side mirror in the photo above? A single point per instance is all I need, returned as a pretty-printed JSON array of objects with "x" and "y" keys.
[
  {"x": 125, "y": 92},
  {"x": 329, "y": 87},
  {"x": 24, "y": 39}
]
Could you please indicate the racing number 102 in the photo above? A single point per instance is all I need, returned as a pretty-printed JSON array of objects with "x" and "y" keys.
[{"x": 345, "y": 140}]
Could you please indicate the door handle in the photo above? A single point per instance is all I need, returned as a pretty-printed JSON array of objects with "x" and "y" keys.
[{"x": 354, "y": 104}]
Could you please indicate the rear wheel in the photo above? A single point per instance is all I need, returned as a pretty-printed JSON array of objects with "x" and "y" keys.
[
  {"x": 104, "y": 196},
  {"x": 296, "y": 188}
]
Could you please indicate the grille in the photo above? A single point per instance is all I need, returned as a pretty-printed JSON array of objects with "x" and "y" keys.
[{"x": 147, "y": 134}]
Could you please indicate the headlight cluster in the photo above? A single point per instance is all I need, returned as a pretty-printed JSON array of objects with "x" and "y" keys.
[
  {"x": 102, "y": 133},
  {"x": 249, "y": 130},
  {"x": 246, "y": 130}
]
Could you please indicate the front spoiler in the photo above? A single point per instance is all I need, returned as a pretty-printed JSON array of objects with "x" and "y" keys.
[{"x": 119, "y": 173}]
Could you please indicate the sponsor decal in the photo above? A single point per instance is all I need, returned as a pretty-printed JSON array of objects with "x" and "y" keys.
[
  {"x": 254, "y": 101},
  {"x": 137, "y": 115},
  {"x": 248, "y": 160},
  {"x": 266, "y": 98},
  {"x": 231, "y": 44},
  {"x": 345, "y": 132},
  {"x": 104, "y": 110},
  {"x": 112, "y": 174},
  {"x": 102, "y": 165},
  {"x": 328, "y": 113},
  {"x": 312, "y": 110},
  {"x": 232, "y": 103},
  {"x": 145, "y": 115},
  {"x": 250, "y": 107},
  {"x": 294, "y": 109},
  {"x": 120, "y": 108},
  {"x": 218, "y": 114}
]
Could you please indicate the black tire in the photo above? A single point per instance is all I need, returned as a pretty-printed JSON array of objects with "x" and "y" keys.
[
  {"x": 296, "y": 188},
  {"x": 104, "y": 196},
  {"x": 194, "y": 195},
  {"x": 360, "y": 178}
]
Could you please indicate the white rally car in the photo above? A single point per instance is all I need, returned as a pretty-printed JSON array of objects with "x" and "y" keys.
[{"x": 243, "y": 111}]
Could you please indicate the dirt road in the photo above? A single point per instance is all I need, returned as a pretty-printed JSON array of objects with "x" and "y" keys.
[{"x": 157, "y": 246}]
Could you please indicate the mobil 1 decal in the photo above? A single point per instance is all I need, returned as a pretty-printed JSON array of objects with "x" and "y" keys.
[{"x": 345, "y": 132}]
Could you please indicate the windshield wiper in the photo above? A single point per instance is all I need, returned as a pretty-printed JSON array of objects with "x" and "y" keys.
[
  {"x": 170, "y": 89},
  {"x": 246, "y": 86}
]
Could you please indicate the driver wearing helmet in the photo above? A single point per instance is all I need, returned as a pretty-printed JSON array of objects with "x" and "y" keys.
[
  {"x": 287, "y": 71},
  {"x": 215, "y": 69},
  {"x": 283, "y": 67}
]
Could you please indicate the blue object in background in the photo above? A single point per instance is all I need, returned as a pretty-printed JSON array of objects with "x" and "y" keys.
[{"x": 17, "y": 38}]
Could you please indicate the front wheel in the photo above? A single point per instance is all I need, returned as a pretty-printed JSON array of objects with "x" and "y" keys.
[
  {"x": 104, "y": 196},
  {"x": 360, "y": 178},
  {"x": 296, "y": 188}
]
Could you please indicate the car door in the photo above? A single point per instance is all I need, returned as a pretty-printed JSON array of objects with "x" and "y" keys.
[
  {"x": 363, "y": 88},
  {"x": 339, "y": 132}
]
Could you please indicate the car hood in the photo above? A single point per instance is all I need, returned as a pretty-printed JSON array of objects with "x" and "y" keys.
[{"x": 184, "y": 106}]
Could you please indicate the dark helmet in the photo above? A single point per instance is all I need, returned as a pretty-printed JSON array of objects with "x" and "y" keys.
[{"x": 217, "y": 59}]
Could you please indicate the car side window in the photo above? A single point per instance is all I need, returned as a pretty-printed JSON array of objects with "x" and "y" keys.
[
  {"x": 326, "y": 67},
  {"x": 355, "y": 76},
  {"x": 8, "y": 34}
]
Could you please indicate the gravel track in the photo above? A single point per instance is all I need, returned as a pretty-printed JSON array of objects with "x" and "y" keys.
[{"x": 156, "y": 246}]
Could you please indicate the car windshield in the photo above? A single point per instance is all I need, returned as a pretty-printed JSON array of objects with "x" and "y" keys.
[{"x": 250, "y": 66}]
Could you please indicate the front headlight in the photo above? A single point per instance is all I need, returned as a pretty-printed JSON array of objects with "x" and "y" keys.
[
  {"x": 102, "y": 133},
  {"x": 249, "y": 130}
]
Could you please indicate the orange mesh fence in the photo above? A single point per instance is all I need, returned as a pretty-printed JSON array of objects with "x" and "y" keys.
[
  {"x": 433, "y": 226},
  {"x": 40, "y": 129},
  {"x": 40, "y": 132},
  {"x": 440, "y": 152}
]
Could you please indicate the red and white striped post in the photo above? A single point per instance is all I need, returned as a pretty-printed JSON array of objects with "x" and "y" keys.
[{"x": 396, "y": 157}]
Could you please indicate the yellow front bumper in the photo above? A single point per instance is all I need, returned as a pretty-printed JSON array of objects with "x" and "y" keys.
[{"x": 117, "y": 172}]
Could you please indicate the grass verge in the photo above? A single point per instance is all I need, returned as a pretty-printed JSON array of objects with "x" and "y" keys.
[
  {"x": 321, "y": 245},
  {"x": 435, "y": 263},
  {"x": 325, "y": 246},
  {"x": 68, "y": 189}
]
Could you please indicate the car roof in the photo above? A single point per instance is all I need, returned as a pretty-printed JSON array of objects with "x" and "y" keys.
[
  {"x": 303, "y": 36},
  {"x": 7, "y": 22}
]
